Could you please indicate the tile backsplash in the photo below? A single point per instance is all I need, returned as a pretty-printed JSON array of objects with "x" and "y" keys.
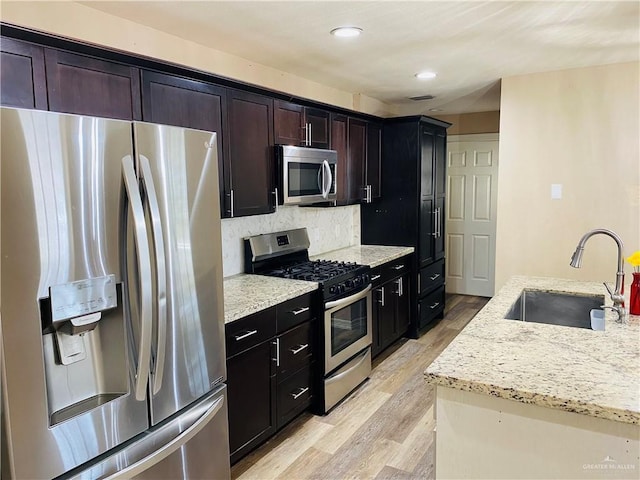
[{"x": 329, "y": 229}]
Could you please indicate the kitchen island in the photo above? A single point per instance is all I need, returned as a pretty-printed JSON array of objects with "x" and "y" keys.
[{"x": 529, "y": 400}]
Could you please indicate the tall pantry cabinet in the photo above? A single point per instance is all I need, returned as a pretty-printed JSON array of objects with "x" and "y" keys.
[{"x": 411, "y": 212}]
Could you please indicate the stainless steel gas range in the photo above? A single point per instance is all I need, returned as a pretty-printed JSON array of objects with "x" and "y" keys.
[{"x": 345, "y": 288}]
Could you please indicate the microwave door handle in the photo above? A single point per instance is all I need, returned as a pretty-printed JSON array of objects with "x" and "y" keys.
[
  {"x": 326, "y": 186},
  {"x": 161, "y": 271},
  {"x": 144, "y": 271}
]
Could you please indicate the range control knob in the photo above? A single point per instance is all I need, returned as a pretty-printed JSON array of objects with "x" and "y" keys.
[
  {"x": 333, "y": 289},
  {"x": 349, "y": 283}
]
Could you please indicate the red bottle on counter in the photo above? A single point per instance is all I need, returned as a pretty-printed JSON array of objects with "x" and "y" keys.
[{"x": 634, "y": 295}]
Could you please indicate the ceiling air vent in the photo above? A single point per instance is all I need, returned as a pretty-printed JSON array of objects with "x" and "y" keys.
[{"x": 422, "y": 97}]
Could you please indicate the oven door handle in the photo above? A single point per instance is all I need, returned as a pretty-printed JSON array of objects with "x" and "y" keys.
[{"x": 343, "y": 302}]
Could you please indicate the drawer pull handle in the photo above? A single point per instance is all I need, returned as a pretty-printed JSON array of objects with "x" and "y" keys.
[
  {"x": 374, "y": 277},
  {"x": 245, "y": 335},
  {"x": 434, "y": 305},
  {"x": 300, "y": 310},
  {"x": 398, "y": 267},
  {"x": 300, "y": 348},
  {"x": 302, "y": 390},
  {"x": 435, "y": 276}
]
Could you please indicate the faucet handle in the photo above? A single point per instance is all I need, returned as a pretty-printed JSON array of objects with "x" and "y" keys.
[
  {"x": 608, "y": 288},
  {"x": 620, "y": 311}
]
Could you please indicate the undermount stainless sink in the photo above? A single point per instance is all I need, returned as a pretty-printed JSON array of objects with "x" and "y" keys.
[{"x": 565, "y": 309}]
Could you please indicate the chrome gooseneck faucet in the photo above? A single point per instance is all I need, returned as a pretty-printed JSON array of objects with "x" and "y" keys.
[{"x": 616, "y": 296}]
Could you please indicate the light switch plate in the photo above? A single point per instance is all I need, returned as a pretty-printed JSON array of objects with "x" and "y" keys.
[{"x": 556, "y": 191}]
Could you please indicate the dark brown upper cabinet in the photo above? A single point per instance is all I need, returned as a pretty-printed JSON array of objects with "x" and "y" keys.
[
  {"x": 374, "y": 158},
  {"x": 251, "y": 187},
  {"x": 358, "y": 144},
  {"x": 89, "y": 86},
  {"x": 301, "y": 126},
  {"x": 179, "y": 101},
  {"x": 22, "y": 77},
  {"x": 339, "y": 144},
  {"x": 356, "y": 158}
]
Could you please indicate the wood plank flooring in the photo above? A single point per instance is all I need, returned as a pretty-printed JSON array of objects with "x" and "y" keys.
[{"x": 382, "y": 431}]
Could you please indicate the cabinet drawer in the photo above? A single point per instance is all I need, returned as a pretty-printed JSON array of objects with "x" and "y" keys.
[
  {"x": 249, "y": 331},
  {"x": 294, "y": 395},
  {"x": 396, "y": 268},
  {"x": 431, "y": 307},
  {"x": 431, "y": 276},
  {"x": 295, "y": 311},
  {"x": 295, "y": 349},
  {"x": 375, "y": 274}
]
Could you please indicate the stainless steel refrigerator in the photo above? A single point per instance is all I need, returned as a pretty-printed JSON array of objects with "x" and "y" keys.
[{"x": 113, "y": 360}]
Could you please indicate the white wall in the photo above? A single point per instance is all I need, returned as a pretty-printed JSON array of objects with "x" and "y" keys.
[
  {"x": 579, "y": 128},
  {"x": 329, "y": 229}
]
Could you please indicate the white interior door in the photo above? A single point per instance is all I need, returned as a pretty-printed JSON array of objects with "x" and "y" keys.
[{"x": 472, "y": 177}]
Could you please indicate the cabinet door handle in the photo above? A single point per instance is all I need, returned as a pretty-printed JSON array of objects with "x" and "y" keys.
[
  {"x": 277, "y": 345},
  {"x": 302, "y": 390},
  {"x": 247, "y": 334},
  {"x": 275, "y": 196},
  {"x": 435, "y": 276},
  {"x": 435, "y": 223},
  {"x": 375, "y": 277},
  {"x": 434, "y": 305},
  {"x": 300, "y": 310},
  {"x": 310, "y": 135},
  {"x": 398, "y": 267},
  {"x": 400, "y": 287},
  {"x": 231, "y": 202},
  {"x": 300, "y": 348},
  {"x": 381, "y": 290}
]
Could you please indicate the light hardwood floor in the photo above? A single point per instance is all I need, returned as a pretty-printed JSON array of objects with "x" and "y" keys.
[{"x": 383, "y": 430}]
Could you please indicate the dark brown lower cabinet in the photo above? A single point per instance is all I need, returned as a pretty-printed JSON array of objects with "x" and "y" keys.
[
  {"x": 270, "y": 372},
  {"x": 431, "y": 307},
  {"x": 251, "y": 385},
  {"x": 391, "y": 297}
]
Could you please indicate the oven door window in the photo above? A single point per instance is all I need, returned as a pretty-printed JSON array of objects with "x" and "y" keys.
[{"x": 348, "y": 325}]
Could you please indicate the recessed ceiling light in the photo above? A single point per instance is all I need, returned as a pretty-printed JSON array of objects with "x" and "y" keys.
[
  {"x": 425, "y": 75},
  {"x": 435, "y": 109},
  {"x": 346, "y": 31}
]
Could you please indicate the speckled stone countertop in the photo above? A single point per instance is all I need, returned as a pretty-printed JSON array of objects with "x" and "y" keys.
[
  {"x": 372, "y": 255},
  {"x": 574, "y": 369},
  {"x": 246, "y": 294}
]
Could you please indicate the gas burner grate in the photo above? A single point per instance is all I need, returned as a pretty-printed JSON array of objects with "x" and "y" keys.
[{"x": 313, "y": 270}]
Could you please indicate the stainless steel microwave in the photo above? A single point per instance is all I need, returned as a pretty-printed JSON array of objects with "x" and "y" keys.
[{"x": 306, "y": 175}]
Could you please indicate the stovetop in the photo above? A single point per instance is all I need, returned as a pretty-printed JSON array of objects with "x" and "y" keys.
[
  {"x": 313, "y": 270},
  {"x": 285, "y": 254}
]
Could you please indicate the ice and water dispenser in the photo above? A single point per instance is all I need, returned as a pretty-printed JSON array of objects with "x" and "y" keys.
[{"x": 84, "y": 346}]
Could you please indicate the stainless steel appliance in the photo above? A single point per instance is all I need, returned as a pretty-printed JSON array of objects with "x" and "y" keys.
[
  {"x": 346, "y": 295},
  {"x": 306, "y": 175},
  {"x": 112, "y": 309}
]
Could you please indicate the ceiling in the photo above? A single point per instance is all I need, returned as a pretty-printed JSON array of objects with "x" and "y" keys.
[{"x": 471, "y": 45}]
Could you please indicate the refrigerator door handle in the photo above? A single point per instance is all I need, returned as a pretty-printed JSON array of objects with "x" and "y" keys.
[
  {"x": 144, "y": 268},
  {"x": 161, "y": 272},
  {"x": 172, "y": 446}
]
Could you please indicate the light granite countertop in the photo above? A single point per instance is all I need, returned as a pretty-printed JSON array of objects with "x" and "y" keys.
[
  {"x": 372, "y": 255},
  {"x": 245, "y": 294},
  {"x": 578, "y": 370}
]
